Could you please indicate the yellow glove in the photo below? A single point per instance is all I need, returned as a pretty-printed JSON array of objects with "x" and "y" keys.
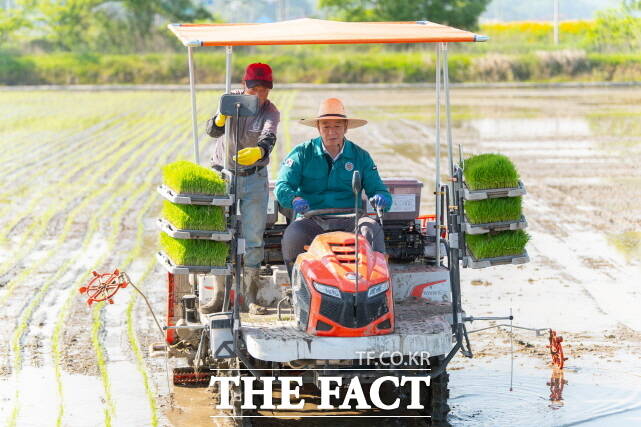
[
  {"x": 220, "y": 120},
  {"x": 249, "y": 156}
]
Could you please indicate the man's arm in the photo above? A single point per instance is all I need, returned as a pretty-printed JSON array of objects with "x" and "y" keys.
[
  {"x": 289, "y": 178},
  {"x": 372, "y": 182},
  {"x": 213, "y": 129}
]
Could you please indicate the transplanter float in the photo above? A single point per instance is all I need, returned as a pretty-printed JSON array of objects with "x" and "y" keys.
[{"x": 354, "y": 319}]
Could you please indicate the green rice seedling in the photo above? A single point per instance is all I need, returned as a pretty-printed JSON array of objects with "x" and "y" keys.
[
  {"x": 187, "y": 177},
  {"x": 490, "y": 171},
  {"x": 194, "y": 217},
  {"x": 493, "y": 210},
  {"x": 493, "y": 245},
  {"x": 194, "y": 252}
]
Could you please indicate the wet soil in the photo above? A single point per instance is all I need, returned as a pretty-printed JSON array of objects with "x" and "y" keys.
[{"x": 577, "y": 151}]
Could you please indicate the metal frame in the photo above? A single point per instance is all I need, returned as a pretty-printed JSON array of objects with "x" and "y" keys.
[
  {"x": 192, "y": 93},
  {"x": 437, "y": 151},
  {"x": 228, "y": 59},
  {"x": 442, "y": 84},
  {"x": 442, "y": 193},
  {"x": 192, "y": 90}
]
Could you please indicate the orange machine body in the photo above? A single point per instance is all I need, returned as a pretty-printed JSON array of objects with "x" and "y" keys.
[{"x": 342, "y": 307}]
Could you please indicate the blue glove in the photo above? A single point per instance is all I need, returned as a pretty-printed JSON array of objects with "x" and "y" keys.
[
  {"x": 300, "y": 206},
  {"x": 381, "y": 201}
]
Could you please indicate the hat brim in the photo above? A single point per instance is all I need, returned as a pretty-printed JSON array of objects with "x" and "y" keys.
[
  {"x": 351, "y": 123},
  {"x": 253, "y": 83}
]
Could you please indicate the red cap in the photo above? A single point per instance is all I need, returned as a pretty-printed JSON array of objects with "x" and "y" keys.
[{"x": 258, "y": 75}]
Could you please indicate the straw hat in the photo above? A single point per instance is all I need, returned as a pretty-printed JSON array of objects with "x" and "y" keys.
[{"x": 332, "y": 109}]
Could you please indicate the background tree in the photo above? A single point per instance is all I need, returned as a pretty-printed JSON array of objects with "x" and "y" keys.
[
  {"x": 66, "y": 23},
  {"x": 457, "y": 13},
  {"x": 113, "y": 25},
  {"x": 14, "y": 18},
  {"x": 619, "y": 29}
]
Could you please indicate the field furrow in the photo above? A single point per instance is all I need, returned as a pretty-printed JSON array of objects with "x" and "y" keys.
[
  {"x": 91, "y": 162},
  {"x": 93, "y": 186},
  {"x": 43, "y": 132},
  {"x": 99, "y": 213}
]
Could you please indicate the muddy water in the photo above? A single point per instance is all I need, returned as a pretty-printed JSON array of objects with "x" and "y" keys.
[
  {"x": 578, "y": 152},
  {"x": 485, "y": 396}
]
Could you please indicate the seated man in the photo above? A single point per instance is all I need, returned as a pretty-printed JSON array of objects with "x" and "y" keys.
[{"x": 317, "y": 174}]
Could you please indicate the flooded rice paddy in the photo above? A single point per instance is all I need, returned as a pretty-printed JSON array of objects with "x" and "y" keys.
[{"x": 79, "y": 171}]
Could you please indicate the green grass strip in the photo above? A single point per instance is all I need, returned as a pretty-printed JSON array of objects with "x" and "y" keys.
[
  {"x": 187, "y": 177},
  {"x": 72, "y": 293},
  {"x": 131, "y": 151},
  {"x": 194, "y": 217},
  {"x": 96, "y": 327},
  {"x": 135, "y": 347},
  {"x": 493, "y": 245},
  {"x": 490, "y": 171},
  {"x": 493, "y": 210},
  {"x": 26, "y": 315},
  {"x": 194, "y": 252},
  {"x": 32, "y": 235}
]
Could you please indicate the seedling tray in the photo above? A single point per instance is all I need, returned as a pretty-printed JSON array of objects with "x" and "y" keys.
[
  {"x": 178, "y": 233},
  {"x": 493, "y": 193},
  {"x": 470, "y": 262},
  {"x": 470, "y": 228},
  {"x": 195, "y": 199},
  {"x": 192, "y": 269}
]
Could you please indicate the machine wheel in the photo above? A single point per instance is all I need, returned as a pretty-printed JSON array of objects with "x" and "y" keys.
[
  {"x": 188, "y": 377},
  {"x": 435, "y": 400}
]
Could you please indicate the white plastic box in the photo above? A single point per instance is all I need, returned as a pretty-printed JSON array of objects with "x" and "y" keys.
[{"x": 406, "y": 199}]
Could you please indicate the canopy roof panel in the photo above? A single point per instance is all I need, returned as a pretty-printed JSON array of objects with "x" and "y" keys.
[{"x": 317, "y": 31}]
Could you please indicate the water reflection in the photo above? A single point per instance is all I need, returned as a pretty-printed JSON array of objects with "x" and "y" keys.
[
  {"x": 556, "y": 384},
  {"x": 481, "y": 397}
]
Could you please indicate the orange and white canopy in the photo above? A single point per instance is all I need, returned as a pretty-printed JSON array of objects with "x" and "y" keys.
[{"x": 317, "y": 31}]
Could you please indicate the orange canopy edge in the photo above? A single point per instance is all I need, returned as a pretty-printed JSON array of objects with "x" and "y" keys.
[{"x": 318, "y": 31}]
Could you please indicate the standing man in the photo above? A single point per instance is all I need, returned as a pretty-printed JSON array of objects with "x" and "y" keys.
[
  {"x": 317, "y": 174},
  {"x": 257, "y": 137}
]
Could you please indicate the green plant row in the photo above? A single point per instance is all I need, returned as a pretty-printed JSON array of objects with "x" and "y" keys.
[
  {"x": 112, "y": 241},
  {"x": 491, "y": 245},
  {"x": 193, "y": 217},
  {"x": 187, "y": 177},
  {"x": 485, "y": 171},
  {"x": 490, "y": 171},
  {"x": 35, "y": 302},
  {"x": 322, "y": 66},
  {"x": 114, "y": 164},
  {"x": 194, "y": 252},
  {"x": 493, "y": 210},
  {"x": 183, "y": 176}
]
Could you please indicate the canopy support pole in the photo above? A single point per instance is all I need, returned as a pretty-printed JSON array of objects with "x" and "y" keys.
[
  {"x": 192, "y": 90},
  {"x": 437, "y": 150},
  {"x": 448, "y": 116},
  {"x": 228, "y": 58}
]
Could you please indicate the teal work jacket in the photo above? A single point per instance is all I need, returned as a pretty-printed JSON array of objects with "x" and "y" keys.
[{"x": 305, "y": 173}]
